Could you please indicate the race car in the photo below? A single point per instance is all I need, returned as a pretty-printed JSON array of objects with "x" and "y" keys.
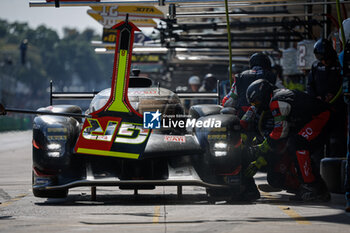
[{"x": 211, "y": 157}]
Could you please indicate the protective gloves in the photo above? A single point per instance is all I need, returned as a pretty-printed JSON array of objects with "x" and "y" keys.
[
  {"x": 254, "y": 166},
  {"x": 257, "y": 152}
]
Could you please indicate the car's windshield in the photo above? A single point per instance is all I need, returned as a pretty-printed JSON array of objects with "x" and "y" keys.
[{"x": 143, "y": 99}]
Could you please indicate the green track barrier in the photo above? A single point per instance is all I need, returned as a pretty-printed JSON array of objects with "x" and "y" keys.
[{"x": 15, "y": 123}]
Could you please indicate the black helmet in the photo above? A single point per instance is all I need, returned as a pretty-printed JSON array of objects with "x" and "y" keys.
[
  {"x": 260, "y": 59},
  {"x": 209, "y": 81},
  {"x": 323, "y": 50},
  {"x": 209, "y": 76},
  {"x": 259, "y": 93}
]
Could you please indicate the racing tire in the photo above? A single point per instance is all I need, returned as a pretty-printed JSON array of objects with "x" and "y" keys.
[
  {"x": 333, "y": 173},
  {"x": 51, "y": 193}
]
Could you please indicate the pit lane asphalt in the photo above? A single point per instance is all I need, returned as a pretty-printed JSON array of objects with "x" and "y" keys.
[{"x": 156, "y": 210}]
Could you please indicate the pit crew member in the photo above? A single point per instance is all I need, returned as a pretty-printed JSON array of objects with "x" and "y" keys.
[{"x": 302, "y": 121}]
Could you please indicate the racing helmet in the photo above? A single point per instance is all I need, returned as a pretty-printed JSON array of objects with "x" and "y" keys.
[
  {"x": 259, "y": 93},
  {"x": 194, "y": 80},
  {"x": 209, "y": 81},
  {"x": 323, "y": 50},
  {"x": 259, "y": 59}
]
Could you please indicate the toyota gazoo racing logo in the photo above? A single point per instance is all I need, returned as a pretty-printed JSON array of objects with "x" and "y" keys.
[{"x": 152, "y": 120}]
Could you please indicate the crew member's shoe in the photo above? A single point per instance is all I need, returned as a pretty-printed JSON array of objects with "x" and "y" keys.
[{"x": 312, "y": 192}]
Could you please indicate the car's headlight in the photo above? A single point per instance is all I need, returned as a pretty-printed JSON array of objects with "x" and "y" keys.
[
  {"x": 220, "y": 153},
  {"x": 56, "y": 139},
  {"x": 220, "y": 145},
  {"x": 54, "y": 154},
  {"x": 220, "y": 149},
  {"x": 54, "y": 147}
]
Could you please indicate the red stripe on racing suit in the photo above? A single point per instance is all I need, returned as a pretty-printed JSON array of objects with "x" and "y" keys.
[
  {"x": 304, "y": 162},
  {"x": 312, "y": 129},
  {"x": 224, "y": 100}
]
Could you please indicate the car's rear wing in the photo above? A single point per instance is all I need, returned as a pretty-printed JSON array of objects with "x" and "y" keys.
[
  {"x": 70, "y": 95},
  {"x": 89, "y": 95}
]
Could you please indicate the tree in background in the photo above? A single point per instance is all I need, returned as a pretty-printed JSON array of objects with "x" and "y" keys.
[{"x": 69, "y": 61}]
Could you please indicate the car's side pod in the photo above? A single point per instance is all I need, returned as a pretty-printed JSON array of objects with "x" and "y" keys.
[{"x": 54, "y": 138}]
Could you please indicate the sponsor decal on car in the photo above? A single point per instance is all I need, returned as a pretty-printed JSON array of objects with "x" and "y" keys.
[
  {"x": 219, "y": 130},
  {"x": 145, "y": 92},
  {"x": 57, "y": 137},
  {"x": 171, "y": 138},
  {"x": 217, "y": 136}
]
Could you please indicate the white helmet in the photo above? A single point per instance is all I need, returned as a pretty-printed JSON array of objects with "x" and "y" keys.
[
  {"x": 194, "y": 80},
  {"x": 346, "y": 26}
]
